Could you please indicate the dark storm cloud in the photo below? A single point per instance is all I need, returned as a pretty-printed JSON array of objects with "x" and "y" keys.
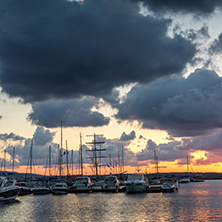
[
  {"x": 59, "y": 49},
  {"x": 209, "y": 143},
  {"x": 127, "y": 137},
  {"x": 114, "y": 148},
  {"x": 200, "y": 7},
  {"x": 216, "y": 46},
  {"x": 183, "y": 106},
  {"x": 10, "y": 136},
  {"x": 42, "y": 139},
  {"x": 40, "y": 153},
  {"x": 72, "y": 113},
  {"x": 164, "y": 152},
  {"x": 42, "y": 136}
]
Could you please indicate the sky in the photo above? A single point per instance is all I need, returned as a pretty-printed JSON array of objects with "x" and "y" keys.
[{"x": 145, "y": 75}]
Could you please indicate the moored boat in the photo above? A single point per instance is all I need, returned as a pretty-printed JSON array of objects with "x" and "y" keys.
[
  {"x": 25, "y": 189},
  {"x": 82, "y": 184},
  {"x": 60, "y": 188},
  {"x": 8, "y": 189},
  {"x": 169, "y": 186},
  {"x": 154, "y": 185},
  {"x": 197, "y": 178},
  {"x": 185, "y": 179},
  {"x": 136, "y": 183},
  {"x": 110, "y": 184}
]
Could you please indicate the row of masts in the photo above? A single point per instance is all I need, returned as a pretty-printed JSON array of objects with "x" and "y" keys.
[
  {"x": 95, "y": 157},
  {"x": 69, "y": 162},
  {"x": 94, "y": 150}
]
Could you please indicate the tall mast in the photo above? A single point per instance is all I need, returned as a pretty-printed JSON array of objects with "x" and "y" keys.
[
  {"x": 81, "y": 162},
  {"x": 13, "y": 159},
  {"x": 95, "y": 150},
  {"x": 4, "y": 160},
  {"x": 60, "y": 155},
  {"x": 72, "y": 161},
  {"x": 31, "y": 157},
  {"x": 100, "y": 161},
  {"x": 49, "y": 160},
  {"x": 67, "y": 158},
  {"x": 110, "y": 163},
  {"x": 118, "y": 167},
  {"x": 122, "y": 159},
  {"x": 156, "y": 162},
  {"x": 187, "y": 164}
]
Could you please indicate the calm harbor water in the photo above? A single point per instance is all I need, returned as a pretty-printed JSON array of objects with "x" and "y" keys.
[{"x": 193, "y": 202}]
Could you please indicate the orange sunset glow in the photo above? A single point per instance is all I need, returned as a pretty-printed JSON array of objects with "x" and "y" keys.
[{"x": 143, "y": 167}]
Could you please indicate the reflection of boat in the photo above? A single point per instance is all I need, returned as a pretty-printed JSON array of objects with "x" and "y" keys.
[
  {"x": 82, "y": 184},
  {"x": 60, "y": 188},
  {"x": 8, "y": 189},
  {"x": 110, "y": 184},
  {"x": 25, "y": 189},
  {"x": 135, "y": 183},
  {"x": 169, "y": 186},
  {"x": 41, "y": 190}
]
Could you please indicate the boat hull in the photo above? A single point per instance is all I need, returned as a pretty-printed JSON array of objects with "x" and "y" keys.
[
  {"x": 172, "y": 189},
  {"x": 154, "y": 188},
  {"x": 41, "y": 191},
  {"x": 9, "y": 195},
  {"x": 135, "y": 188},
  {"x": 25, "y": 191},
  {"x": 110, "y": 190},
  {"x": 58, "y": 192},
  {"x": 79, "y": 190}
]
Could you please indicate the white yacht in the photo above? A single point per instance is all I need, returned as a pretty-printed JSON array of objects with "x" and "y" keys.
[
  {"x": 110, "y": 184},
  {"x": 8, "y": 189},
  {"x": 185, "y": 179},
  {"x": 169, "y": 185},
  {"x": 136, "y": 183},
  {"x": 60, "y": 188},
  {"x": 82, "y": 184}
]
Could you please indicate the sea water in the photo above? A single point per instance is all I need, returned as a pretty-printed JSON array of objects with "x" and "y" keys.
[{"x": 192, "y": 202}]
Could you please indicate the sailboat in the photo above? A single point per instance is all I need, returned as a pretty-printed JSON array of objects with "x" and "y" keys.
[
  {"x": 155, "y": 184},
  {"x": 60, "y": 187},
  {"x": 185, "y": 178}
]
